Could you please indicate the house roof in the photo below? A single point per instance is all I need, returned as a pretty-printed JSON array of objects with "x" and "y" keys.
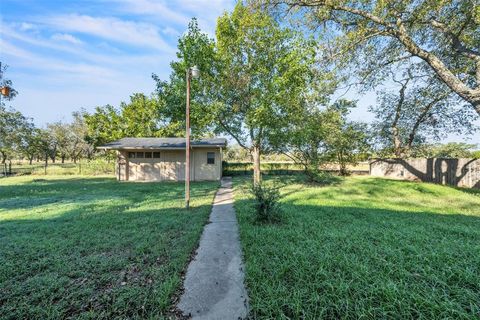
[{"x": 161, "y": 143}]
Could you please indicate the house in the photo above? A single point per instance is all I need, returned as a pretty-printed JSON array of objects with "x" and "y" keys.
[{"x": 163, "y": 159}]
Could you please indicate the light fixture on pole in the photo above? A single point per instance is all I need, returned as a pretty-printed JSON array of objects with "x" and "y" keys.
[
  {"x": 5, "y": 90},
  {"x": 192, "y": 72}
]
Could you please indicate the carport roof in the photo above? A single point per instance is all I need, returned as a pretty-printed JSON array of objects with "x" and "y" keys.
[{"x": 161, "y": 143}]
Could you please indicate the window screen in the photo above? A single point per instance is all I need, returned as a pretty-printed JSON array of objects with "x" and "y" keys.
[
  {"x": 148, "y": 155},
  {"x": 139, "y": 155},
  {"x": 210, "y": 157},
  {"x": 156, "y": 155},
  {"x": 131, "y": 155}
]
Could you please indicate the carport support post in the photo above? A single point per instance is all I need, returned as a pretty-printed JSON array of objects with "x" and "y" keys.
[{"x": 187, "y": 145}]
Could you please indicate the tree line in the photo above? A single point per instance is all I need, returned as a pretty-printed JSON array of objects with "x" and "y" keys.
[
  {"x": 272, "y": 76},
  {"x": 58, "y": 141}
]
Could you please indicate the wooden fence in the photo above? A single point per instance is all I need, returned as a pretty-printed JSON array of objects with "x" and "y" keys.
[{"x": 454, "y": 172}]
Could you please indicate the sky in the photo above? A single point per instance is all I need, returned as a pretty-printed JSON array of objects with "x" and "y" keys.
[{"x": 64, "y": 55}]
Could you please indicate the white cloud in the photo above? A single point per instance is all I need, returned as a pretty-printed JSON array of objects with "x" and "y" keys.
[
  {"x": 179, "y": 12},
  {"x": 114, "y": 29},
  {"x": 24, "y": 58},
  {"x": 72, "y": 59},
  {"x": 169, "y": 31},
  {"x": 65, "y": 37},
  {"x": 25, "y": 26},
  {"x": 157, "y": 8},
  {"x": 207, "y": 7}
]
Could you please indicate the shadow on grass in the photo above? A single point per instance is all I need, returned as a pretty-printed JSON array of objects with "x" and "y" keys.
[
  {"x": 351, "y": 262},
  {"x": 91, "y": 190},
  {"x": 96, "y": 248},
  {"x": 109, "y": 263}
]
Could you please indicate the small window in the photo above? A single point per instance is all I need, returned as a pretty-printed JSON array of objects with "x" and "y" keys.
[
  {"x": 139, "y": 155},
  {"x": 148, "y": 155},
  {"x": 131, "y": 155},
  {"x": 210, "y": 157},
  {"x": 156, "y": 155}
]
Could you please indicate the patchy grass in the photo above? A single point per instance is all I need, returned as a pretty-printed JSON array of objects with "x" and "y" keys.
[
  {"x": 93, "y": 247},
  {"x": 366, "y": 248}
]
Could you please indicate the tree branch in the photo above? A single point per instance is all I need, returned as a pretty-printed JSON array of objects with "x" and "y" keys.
[
  {"x": 399, "y": 31},
  {"x": 456, "y": 43},
  {"x": 421, "y": 118},
  {"x": 229, "y": 131},
  {"x": 395, "y": 132}
]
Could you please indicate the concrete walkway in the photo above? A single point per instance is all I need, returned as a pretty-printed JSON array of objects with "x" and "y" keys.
[{"x": 214, "y": 287}]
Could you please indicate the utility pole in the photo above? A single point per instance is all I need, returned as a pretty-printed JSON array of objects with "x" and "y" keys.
[{"x": 195, "y": 73}]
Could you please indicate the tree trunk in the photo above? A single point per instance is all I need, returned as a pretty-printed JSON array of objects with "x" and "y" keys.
[
  {"x": 46, "y": 162},
  {"x": 256, "y": 164},
  {"x": 4, "y": 157},
  {"x": 397, "y": 144},
  {"x": 30, "y": 160},
  {"x": 63, "y": 158},
  {"x": 342, "y": 164}
]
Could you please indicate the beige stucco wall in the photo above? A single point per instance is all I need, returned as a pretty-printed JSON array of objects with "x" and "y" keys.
[{"x": 170, "y": 166}]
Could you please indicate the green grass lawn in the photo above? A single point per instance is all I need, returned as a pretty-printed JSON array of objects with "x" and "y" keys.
[
  {"x": 93, "y": 247},
  {"x": 367, "y": 248}
]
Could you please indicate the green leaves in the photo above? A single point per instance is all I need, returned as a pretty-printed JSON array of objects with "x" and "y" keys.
[
  {"x": 265, "y": 73},
  {"x": 318, "y": 136},
  {"x": 368, "y": 38},
  {"x": 194, "y": 48}
]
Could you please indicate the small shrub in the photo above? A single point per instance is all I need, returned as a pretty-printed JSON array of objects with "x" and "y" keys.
[
  {"x": 267, "y": 205},
  {"x": 321, "y": 177}
]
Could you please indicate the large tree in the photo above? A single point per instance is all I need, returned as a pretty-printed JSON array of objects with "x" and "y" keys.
[
  {"x": 348, "y": 143},
  {"x": 194, "y": 48},
  {"x": 104, "y": 125},
  {"x": 376, "y": 34},
  {"x": 306, "y": 138},
  {"x": 323, "y": 134},
  {"x": 59, "y": 133},
  {"x": 14, "y": 129},
  {"x": 13, "y": 124},
  {"x": 140, "y": 117},
  {"x": 264, "y": 75},
  {"x": 78, "y": 143},
  {"x": 422, "y": 109}
]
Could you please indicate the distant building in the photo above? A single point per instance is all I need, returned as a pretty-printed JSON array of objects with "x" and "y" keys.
[{"x": 163, "y": 159}]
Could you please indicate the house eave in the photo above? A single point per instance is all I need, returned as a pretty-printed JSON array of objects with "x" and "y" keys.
[{"x": 158, "y": 148}]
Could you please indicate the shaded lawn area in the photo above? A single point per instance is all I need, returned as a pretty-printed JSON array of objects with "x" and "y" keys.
[
  {"x": 95, "y": 248},
  {"x": 365, "y": 248}
]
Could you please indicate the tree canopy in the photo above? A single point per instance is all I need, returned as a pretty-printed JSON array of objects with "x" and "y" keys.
[
  {"x": 374, "y": 35},
  {"x": 265, "y": 75},
  {"x": 421, "y": 110},
  {"x": 195, "y": 48}
]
